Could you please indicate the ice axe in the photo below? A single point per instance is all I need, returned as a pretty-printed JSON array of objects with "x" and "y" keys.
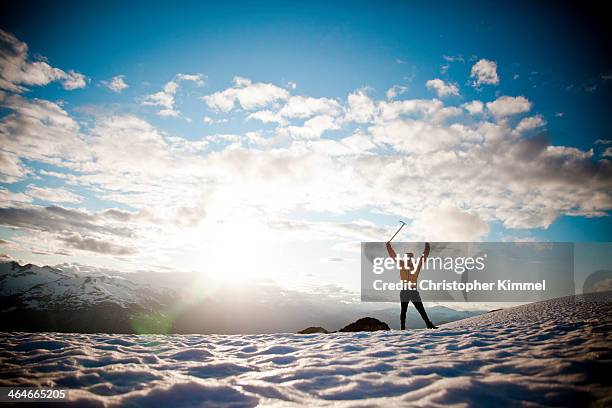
[{"x": 398, "y": 230}]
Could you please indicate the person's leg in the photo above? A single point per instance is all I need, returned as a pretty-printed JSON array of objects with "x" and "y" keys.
[
  {"x": 403, "y": 315},
  {"x": 418, "y": 304}
]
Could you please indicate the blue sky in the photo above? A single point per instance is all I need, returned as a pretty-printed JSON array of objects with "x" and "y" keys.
[{"x": 553, "y": 58}]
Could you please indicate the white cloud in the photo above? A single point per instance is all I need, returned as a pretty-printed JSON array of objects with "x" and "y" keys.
[
  {"x": 450, "y": 175},
  {"x": 8, "y": 197},
  {"x": 53, "y": 195},
  {"x": 211, "y": 121},
  {"x": 388, "y": 111},
  {"x": 508, "y": 106},
  {"x": 530, "y": 123},
  {"x": 448, "y": 223},
  {"x": 40, "y": 130},
  {"x": 17, "y": 70},
  {"x": 395, "y": 90},
  {"x": 247, "y": 94},
  {"x": 127, "y": 143},
  {"x": 442, "y": 88},
  {"x": 453, "y": 58},
  {"x": 361, "y": 108},
  {"x": 417, "y": 136},
  {"x": 607, "y": 152},
  {"x": 313, "y": 128},
  {"x": 474, "y": 107},
  {"x": 73, "y": 80},
  {"x": 11, "y": 168},
  {"x": 299, "y": 107},
  {"x": 267, "y": 116},
  {"x": 165, "y": 98},
  {"x": 116, "y": 83},
  {"x": 302, "y": 107},
  {"x": 484, "y": 72}
]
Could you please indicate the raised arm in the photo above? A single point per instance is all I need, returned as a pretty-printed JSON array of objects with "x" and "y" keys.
[
  {"x": 390, "y": 250},
  {"x": 423, "y": 258}
]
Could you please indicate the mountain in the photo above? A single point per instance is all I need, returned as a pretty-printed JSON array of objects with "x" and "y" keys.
[
  {"x": 45, "y": 287},
  {"x": 43, "y": 298},
  {"x": 35, "y": 298}
]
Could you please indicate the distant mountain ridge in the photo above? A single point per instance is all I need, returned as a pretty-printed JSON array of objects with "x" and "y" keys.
[
  {"x": 43, "y": 298},
  {"x": 43, "y": 287}
]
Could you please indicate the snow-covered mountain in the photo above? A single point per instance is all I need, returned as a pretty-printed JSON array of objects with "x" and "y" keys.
[
  {"x": 42, "y": 298},
  {"x": 43, "y": 288}
]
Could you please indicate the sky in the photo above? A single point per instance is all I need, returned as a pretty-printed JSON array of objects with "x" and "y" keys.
[{"x": 270, "y": 139}]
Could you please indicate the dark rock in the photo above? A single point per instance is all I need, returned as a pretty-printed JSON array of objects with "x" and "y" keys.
[
  {"x": 366, "y": 324},
  {"x": 313, "y": 329}
]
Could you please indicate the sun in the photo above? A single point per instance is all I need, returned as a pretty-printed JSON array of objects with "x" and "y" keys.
[{"x": 240, "y": 252}]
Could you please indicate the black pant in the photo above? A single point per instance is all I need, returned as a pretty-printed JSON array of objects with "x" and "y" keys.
[{"x": 413, "y": 296}]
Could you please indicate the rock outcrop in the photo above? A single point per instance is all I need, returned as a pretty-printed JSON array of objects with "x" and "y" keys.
[{"x": 366, "y": 324}]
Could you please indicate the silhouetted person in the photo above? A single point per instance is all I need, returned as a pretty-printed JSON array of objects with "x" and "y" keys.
[{"x": 408, "y": 273}]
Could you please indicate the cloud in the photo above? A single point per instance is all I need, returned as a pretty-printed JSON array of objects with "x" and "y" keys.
[
  {"x": 474, "y": 107},
  {"x": 73, "y": 80},
  {"x": 92, "y": 244},
  {"x": 484, "y": 72},
  {"x": 442, "y": 88},
  {"x": 129, "y": 144},
  {"x": 530, "y": 123},
  {"x": 17, "y": 70},
  {"x": 55, "y": 219},
  {"x": 415, "y": 159},
  {"x": 395, "y": 90},
  {"x": 247, "y": 94},
  {"x": 321, "y": 114},
  {"x": 416, "y": 136},
  {"x": 11, "y": 168},
  {"x": 40, "y": 130},
  {"x": 453, "y": 58},
  {"x": 448, "y": 223},
  {"x": 8, "y": 197},
  {"x": 164, "y": 99},
  {"x": 56, "y": 229},
  {"x": 53, "y": 195},
  {"x": 361, "y": 108},
  {"x": 508, "y": 106},
  {"x": 313, "y": 128},
  {"x": 303, "y": 107},
  {"x": 388, "y": 111},
  {"x": 607, "y": 152},
  {"x": 116, "y": 83},
  {"x": 267, "y": 116}
]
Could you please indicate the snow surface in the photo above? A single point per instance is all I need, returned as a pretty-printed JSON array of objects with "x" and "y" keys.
[{"x": 554, "y": 353}]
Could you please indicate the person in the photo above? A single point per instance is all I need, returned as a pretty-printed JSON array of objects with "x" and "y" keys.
[{"x": 409, "y": 276}]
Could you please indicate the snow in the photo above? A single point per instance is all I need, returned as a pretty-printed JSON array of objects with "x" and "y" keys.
[
  {"x": 553, "y": 353},
  {"x": 41, "y": 287}
]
